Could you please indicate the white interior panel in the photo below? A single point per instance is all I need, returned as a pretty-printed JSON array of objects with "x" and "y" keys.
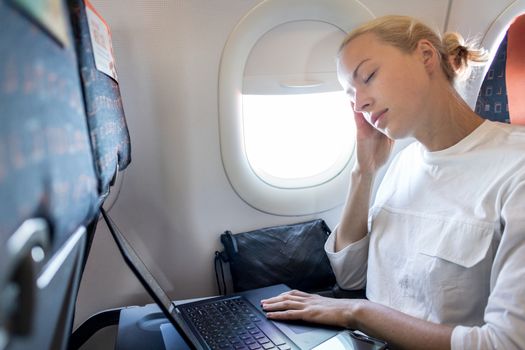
[{"x": 432, "y": 12}]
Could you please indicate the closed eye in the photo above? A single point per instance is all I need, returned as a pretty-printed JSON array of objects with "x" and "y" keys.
[{"x": 370, "y": 77}]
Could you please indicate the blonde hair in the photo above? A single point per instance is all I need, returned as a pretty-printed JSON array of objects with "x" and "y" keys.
[{"x": 403, "y": 32}]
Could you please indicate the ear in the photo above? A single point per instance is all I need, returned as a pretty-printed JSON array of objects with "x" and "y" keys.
[{"x": 428, "y": 55}]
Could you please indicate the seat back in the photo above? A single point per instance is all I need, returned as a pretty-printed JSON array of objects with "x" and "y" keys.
[
  {"x": 62, "y": 134},
  {"x": 492, "y": 102},
  {"x": 501, "y": 94},
  {"x": 105, "y": 113}
]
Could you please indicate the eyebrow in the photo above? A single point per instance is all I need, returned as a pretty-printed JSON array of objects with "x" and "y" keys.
[{"x": 354, "y": 74}]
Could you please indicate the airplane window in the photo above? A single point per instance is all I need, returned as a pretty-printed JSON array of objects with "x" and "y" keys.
[
  {"x": 298, "y": 136},
  {"x": 286, "y": 130},
  {"x": 298, "y": 129}
]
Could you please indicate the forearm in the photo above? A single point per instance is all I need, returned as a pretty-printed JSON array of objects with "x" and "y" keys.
[
  {"x": 353, "y": 225},
  {"x": 400, "y": 330}
]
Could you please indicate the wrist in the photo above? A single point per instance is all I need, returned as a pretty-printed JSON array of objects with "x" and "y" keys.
[
  {"x": 355, "y": 312},
  {"x": 361, "y": 174}
]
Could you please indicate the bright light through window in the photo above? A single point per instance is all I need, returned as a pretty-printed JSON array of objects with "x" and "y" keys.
[{"x": 298, "y": 136}]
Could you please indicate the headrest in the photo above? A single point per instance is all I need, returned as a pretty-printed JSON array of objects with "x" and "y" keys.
[{"x": 105, "y": 114}]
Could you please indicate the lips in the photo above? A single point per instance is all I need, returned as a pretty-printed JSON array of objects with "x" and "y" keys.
[{"x": 377, "y": 115}]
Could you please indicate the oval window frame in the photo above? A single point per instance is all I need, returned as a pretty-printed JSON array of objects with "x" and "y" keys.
[{"x": 249, "y": 187}]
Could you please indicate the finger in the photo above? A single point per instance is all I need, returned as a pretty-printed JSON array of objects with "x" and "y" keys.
[
  {"x": 285, "y": 315},
  {"x": 296, "y": 292},
  {"x": 275, "y": 299},
  {"x": 286, "y": 295},
  {"x": 283, "y": 305},
  {"x": 282, "y": 300},
  {"x": 361, "y": 122},
  {"x": 359, "y": 117}
]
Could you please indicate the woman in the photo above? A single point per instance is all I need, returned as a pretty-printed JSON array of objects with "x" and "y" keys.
[{"x": 442, "y": 249}]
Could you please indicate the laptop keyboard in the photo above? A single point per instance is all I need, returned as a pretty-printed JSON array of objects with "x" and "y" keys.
[{"x": 234, "y": 324}]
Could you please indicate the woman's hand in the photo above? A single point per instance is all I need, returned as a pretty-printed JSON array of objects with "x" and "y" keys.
[
  {"x": 297, "y": 305},
  {"x": 400, "y": 330},
  {"x": 372, "y": 146}
]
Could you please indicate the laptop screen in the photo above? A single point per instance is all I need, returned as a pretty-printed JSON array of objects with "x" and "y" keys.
[{"x": 138, "y": 266}]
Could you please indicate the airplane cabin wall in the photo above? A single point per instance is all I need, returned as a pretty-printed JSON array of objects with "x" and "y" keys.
[{"x": 175, "y": 198}]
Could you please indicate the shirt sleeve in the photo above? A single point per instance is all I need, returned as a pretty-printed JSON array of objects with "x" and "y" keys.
[
  {"x": 504, "y": 317},
  {"x": 350, "y": 263}
]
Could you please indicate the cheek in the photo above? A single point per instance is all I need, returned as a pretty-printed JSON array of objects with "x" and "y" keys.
[{"x": 410, "y": 91}]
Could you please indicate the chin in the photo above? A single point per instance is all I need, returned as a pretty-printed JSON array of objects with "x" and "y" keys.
[{"x": 394, "y": 134}]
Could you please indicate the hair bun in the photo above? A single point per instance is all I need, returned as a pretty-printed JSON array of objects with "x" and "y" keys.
[
  {"x": 462, "y": 55},
  {"x": 459, "y": 57},
  {"x": 461, "y": 51}
]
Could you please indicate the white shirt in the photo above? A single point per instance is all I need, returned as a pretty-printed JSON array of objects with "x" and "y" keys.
[{"x": 447, "y": 239}]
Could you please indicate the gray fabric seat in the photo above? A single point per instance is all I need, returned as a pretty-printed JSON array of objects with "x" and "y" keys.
[{"x": 52, "y": 180}]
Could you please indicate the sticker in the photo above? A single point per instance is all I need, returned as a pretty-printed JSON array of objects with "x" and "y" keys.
[
  {"x": 49, "y": 14},
  {"x": 101, "y": 42}
]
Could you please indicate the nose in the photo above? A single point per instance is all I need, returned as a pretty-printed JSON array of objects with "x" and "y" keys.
[{"x": 363, "y": 102}]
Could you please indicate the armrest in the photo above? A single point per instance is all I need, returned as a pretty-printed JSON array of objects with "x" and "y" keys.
[
  {"x": 338, "y": 292},
  {"x": 92, "y": 325},
  {"x": 348, "y": 294}
]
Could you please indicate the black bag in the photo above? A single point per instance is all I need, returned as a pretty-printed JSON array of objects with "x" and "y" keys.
[{"x": 290, "y": 254}]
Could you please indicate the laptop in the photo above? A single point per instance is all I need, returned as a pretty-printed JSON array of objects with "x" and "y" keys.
[{"x": 234, "y": 321}]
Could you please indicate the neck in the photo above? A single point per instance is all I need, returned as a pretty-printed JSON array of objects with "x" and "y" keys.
[{"x": 448, "y": 120}]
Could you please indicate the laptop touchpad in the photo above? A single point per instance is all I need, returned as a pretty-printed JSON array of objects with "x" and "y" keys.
[{"x": 299, "y": 327}]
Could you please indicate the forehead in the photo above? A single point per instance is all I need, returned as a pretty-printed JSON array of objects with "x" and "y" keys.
[
  {"x": 364, "y": 46},
  {"x": 362, "y": 52},
  {"x": 359, "y": 50}
]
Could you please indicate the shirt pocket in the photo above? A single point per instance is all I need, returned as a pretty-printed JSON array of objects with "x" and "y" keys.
[
  {"x": 453, "y": 261},
  {"x": 432, "y": 267},
  {"x": 462, "y": 243}
]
